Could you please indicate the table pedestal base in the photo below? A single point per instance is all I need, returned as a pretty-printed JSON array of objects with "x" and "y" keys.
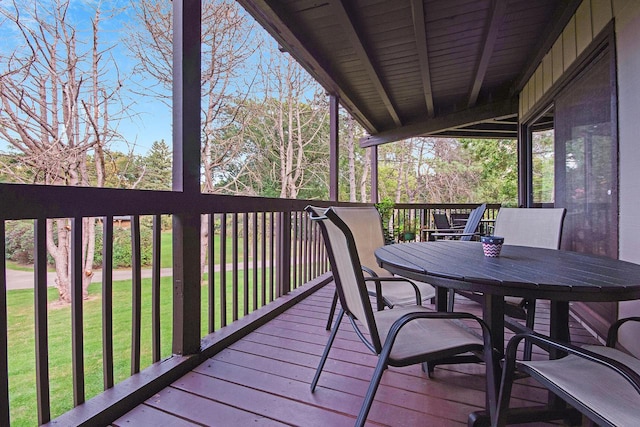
[{"x": 529, "y": 415}]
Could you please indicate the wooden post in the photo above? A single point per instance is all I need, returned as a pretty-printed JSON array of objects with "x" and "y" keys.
[
  {"x": 525, "y": 167},
  {"x": 334, "y": 126},
  {"x": 186, "y": 174},
  {"x": 374, "y": 173},
  {"x": 283, "y": 271}
]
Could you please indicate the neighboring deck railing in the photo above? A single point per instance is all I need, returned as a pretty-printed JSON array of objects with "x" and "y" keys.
[
  {"x": 420, "y": 216},
  {"x": 274, "y": 249}
]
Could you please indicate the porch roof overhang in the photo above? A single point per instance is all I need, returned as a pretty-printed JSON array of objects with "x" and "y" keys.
[{"x": 408, "y": 68}]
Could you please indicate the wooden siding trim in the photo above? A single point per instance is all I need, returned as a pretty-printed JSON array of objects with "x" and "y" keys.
[
  {"x": 590, "y": 19},
  {"x": 584, "y": 31}
]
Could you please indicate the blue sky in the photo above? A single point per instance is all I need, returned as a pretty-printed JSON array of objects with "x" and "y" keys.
[{"x": 150, "y": 119}]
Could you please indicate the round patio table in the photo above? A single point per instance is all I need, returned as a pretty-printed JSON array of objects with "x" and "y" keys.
[{"x": 534, "y": 273}]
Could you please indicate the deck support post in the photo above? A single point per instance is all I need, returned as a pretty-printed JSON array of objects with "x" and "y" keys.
[
  {"x": 187, "y": 22},
  {"x": 374, "y": 173},
  {"x": 334, "y": 142}
]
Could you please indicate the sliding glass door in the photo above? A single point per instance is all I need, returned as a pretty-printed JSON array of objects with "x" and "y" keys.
[{"x": 586, "y": 160}]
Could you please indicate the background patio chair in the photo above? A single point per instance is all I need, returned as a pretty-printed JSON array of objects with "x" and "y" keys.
[
  {"x": 603, "y": 383},
  {"x": 401, "y": 336},
  {"x": 535, "y": 227},
  {"x": 366, "y": 227},
  {"x": 441, "y": 224},
  {"x": 470, "y": 229}
]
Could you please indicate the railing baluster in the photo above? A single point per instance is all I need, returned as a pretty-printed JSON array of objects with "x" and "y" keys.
[
  {"x": 263, "y": 259},
  {"x": 4, "y": 359},
  {"x": 136, "y": 294},
  {"x": 254, "y": 241},
  {"x": 223, "y": 270},
  {"x": 155, "y": 288},
  {"x": 283, "y": 275},
  {"x": 107, "y": 301},
  {"x": 272, "y": 256},
  {"x": 77, "y": 342},
  {"x": 41, "y": 325},
  {"x": 293, "y": 255},
  {"x": 234, "y": 260},
  {"x": 211, "y": 265},
  {"x": 309, "y": 242},
  {"x": 300, "y": 263},
  {"x": 245, "y": 262}
]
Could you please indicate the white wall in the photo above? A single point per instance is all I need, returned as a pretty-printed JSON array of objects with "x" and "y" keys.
[{"x": 627, "y": 25}]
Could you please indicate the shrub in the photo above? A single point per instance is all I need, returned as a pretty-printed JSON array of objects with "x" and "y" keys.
[{"x": 19, "y": 241}]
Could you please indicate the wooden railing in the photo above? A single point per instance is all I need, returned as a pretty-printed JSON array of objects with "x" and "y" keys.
[
  {"x": 273, "y": 248},
  {"x": 418, "y": 217}
]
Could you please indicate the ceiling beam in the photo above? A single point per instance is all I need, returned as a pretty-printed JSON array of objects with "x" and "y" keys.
[
  {"x": 500, "y": 6},
  {"x": 417, "y": 12},
  {"x": 270, "y": 19},
  {"x": 496, "y": 110},
  {"x": 361, "y": 52}
]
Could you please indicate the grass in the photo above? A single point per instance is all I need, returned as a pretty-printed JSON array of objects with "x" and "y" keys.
[
  {"x": 166, "y": 252},
  {"x": 21, "y": 342}
]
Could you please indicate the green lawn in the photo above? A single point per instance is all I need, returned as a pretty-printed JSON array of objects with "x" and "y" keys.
[
  {"x": 21, "y": 342},
  {"x": 166, "y": 248}
]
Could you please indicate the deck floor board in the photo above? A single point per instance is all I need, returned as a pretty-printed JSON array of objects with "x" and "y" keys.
[{"x": 263, "y": 380}]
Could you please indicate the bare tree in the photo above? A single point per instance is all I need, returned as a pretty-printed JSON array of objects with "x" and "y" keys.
[
  {"x": 290, "y": 127},
  {"x": 57, "y": 91},
  {"x": 229, "y": 40},
  {"x": 432, "y": 170}
]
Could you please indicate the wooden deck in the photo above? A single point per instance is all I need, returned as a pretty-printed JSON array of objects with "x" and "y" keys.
[{"x": 264, "y": 380}]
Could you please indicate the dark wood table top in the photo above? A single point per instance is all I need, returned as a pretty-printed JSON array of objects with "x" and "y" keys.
[{"x": 518, "y": 271}]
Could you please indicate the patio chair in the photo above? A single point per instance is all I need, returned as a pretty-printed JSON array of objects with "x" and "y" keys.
[
  {"x": 603, "y": 383},
  {"x": 402, "y": 336},
  {"x": 441, "y": 221},
  {"x": 535, "y": 227},
  {"x": 441, "y": 224},
  {"x": 366, "y": 227},
  {"x": 470, "y": 229},
  {"x": 466, "y": 234}
]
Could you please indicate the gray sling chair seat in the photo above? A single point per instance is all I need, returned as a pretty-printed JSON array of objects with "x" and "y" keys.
[
  {"x": 603, "y": 383},
  {"x": 534, "y": 227},
  {"x": 366, "y": 227},
  {"x": 401, "y": 336}
]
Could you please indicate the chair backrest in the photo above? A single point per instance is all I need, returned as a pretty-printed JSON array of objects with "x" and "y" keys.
[
  {"x": 473, "y": 222},
  {"x": 441, "y": 221},
  {"x": 536, "y": 227},
  {"x": 346, "y": 270},
  {"x": 366, "y": 227}
]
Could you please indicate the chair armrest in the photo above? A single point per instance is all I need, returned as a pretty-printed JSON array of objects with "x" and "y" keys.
[
  {"x": 378, "y": 280},
  {"x": 369, "y": 271},
  {"x": 489, "y": 351},
  {"x": 545, "y": 342},
  {"x": 612, "y": 336}
]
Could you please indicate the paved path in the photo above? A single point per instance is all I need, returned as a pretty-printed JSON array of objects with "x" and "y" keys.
[{"x": 17, "y": 279}]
